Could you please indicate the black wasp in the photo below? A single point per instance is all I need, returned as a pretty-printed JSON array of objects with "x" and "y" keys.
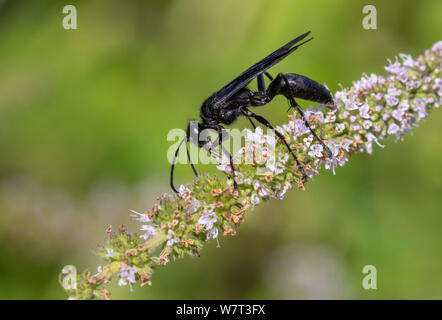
[{"x": 234, "y": 100}]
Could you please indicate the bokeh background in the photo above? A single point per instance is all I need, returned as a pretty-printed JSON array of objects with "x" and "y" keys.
[{"x": 84, "y": 116}]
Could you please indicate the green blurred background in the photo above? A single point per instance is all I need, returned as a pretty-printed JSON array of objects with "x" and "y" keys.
[{"x": 84, "y": 116}]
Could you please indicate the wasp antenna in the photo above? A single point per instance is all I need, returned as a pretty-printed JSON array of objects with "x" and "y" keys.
[{"x": 173, "y": 165}]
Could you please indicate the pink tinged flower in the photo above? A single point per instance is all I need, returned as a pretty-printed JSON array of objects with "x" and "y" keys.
[
  {"x": 404, "y": 106},
  {"x": 363, "y": 111},
  {"x": 308, "y": 141},
  {"x": 279, "y": 168},
  {"x": 393, "y": 68},
  {"x": 437, "y": 46},
  {"x": 345, "y": 144},
  {"x": 149, "y": 231},
  {"x": 207, "y": 220},
  {"x": 172, "y": 238},
  {"x": 262, "y": 192},
  {"x": 254, "y": 199},
  {"x": 372, "y": 138},
  {"x": 393, "y": 128},
  {"x": 316, "y": 150},
  {"x": 391, "y": 100},
  {"x": 143, "y": 218},
  {"x": 378, "y": 96},
  {"x": 367, "y": 124},
  {"x": 300, "y": 127},
  {"x": 110, "y": 253},
  {"x": 356, "y": 127},
  {"x": 340, "y": 127},
  {"x": 270, "y": 140},
  {"x": 351, "y": 104},
  {"x": 397, "y": 114},
  {"x": 420, "y": 108},
  {"x": 224, "y": 167},
  {"x": 239, "y": 178},
  {"x": 345, "y": 114},
  {"x": 127, "y": 276},
  {"x": 213, "y": 234},
  {"x": 194, "y": 206},
  {"x": 369, "y": 147},
  {"x": 331, "y": 164},
  {"x": 283, "y": 157},
  {"x": 353, "y": 118},
  {"x": 184, "y": 192},
  {"x": 385, "y": 116},
  {"x": 402, "y": 76},
  {"x": 407, "y": 60}
]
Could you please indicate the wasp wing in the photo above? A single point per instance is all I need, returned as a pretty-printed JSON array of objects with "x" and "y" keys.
[{"x": 259, "y": 68}]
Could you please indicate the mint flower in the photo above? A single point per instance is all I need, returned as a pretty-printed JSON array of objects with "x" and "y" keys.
[{"x": 373, "y": 109}]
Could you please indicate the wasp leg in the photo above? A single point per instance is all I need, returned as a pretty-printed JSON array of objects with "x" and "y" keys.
[
  {"x": 219, "y": 141},
  {"x": 261, "y": 83},
  {"x": 296, "y": 106},
  {"x": 264, "y": 121},
  {"x": 253, "y": 125}
]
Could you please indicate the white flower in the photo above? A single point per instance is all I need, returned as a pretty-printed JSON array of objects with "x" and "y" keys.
[
  {"x": 143, "y": 218},
  {"x": 340, "y": 127},
  {"x": 345, "y": 144},
  {"x": 254, "y": 199},
  {"x": 308, "y": 140},
  {"x": 194, "y": 206},
  {"x": 397, "y": 114},
  {"x": 393, "y": 129},
  {"x": 172, "y": 238},
  {"x": 390, "y": 97},
  {"x": 239, "y": 178},
  {"x": 407, "y": 60},
  {"x": 283, "y": 157},
  {"x": 271, "y": 140},
  {"x": 363, "y": 111},
  {"x": 184, "y": 192},
  {"x": 110, "y": 253},
  {"x": 263, "y": 192},
  {"x": 207, "y": 220},
  {"x": 149, "y": 231},
  {"x": 402, "y": 76},
  {"x": 127, "y": 275},
  {"x": 279, "y": 168},
  {"x": 351, "y": 104},
  {"x": 367, "y": 124},
  {"x": 271, "y": 163},
  {"x": 316, "y": 150},
  {"x": 212, "y": 234},
  {"x": 394, "y": 68}
]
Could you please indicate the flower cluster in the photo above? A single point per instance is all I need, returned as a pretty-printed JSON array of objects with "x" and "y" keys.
[{"x": 373, "y": 109}]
